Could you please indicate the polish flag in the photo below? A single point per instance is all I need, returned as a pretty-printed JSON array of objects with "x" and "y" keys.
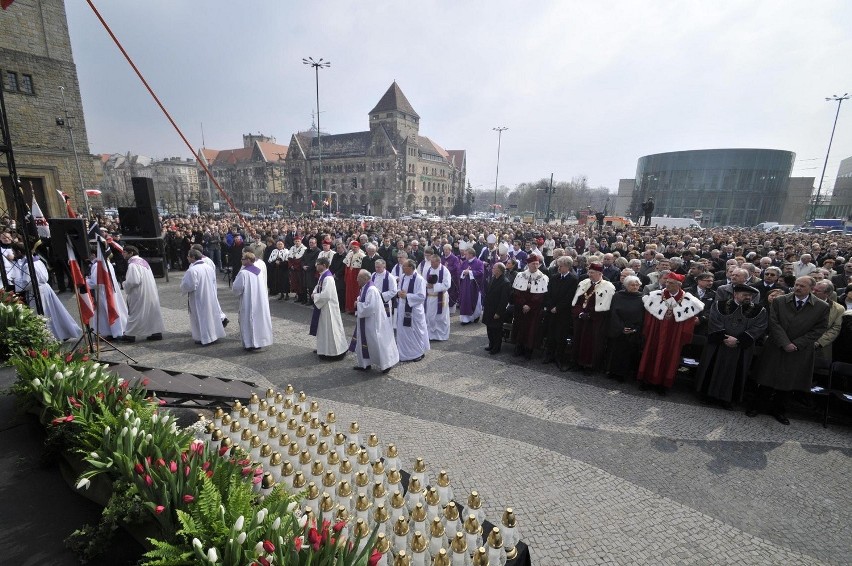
[
  {"x": 84, "y": 295},
  {"x": 42, "y": 227},
  {"x": 104, "y": 277}
]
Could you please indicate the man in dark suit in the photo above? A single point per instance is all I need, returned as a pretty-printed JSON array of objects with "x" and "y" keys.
[
  {"x": 494, "y": 307},
  {"x": 561, "y": 288},
  {"x": 842, "y": 278},
  {"x": 309, "y": 270},
  {"x": 368, "y": 262}
]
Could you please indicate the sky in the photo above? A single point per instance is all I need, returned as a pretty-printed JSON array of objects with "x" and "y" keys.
[{"x": 584, "y": 88}]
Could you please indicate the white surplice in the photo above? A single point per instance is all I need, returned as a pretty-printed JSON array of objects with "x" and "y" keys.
[
  {"x": 438, "y": 323},
  {"x": 144, "y": 316},
  {"x": 412, "y": 341},
  {"x": 204, "y": 312},
  {"x": 331, "y": 340},
  {"x": 59, "y": 321},
  {"x": 378, "y": 280},
  {"x": 378, "y": 331},
  {"x": 255, "y": 320},
  {"x": 209, "y": 262}
]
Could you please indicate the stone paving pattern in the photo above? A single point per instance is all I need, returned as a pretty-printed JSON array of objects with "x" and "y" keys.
[{"x": 598, "y": 472}]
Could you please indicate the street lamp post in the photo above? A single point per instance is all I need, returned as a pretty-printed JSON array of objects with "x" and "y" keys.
[
  {"x": 67, "y": 124},
  {"x": 317, "y": 65},
  {"x": 839, "y": 100},
  {"x": 499, "y": 130}
]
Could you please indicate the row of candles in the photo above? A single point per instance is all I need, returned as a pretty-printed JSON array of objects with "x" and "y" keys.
[{"x": 419, "y": 524}]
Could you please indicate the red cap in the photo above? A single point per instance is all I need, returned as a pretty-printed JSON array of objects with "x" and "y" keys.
[
  {"x": 355, "y": 243},
  {"x": 676, "y": 277},
  {"x": 596, "y": 267}
]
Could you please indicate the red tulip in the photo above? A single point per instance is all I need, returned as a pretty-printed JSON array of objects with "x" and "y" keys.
[
  {"x": 69, "y": 418},
  {"x": 209, "y": 473},
  {"x": 188, "y": 499},
  {"x": 268, "y": 546},
  {"x": 85, "y": 358},
  {"x": 186, "y": 471},
  {"x": 374, "y": 558},
  {"x": 205, "y": 465},
  {"x": 139, "y": 468},
  {"x": 148, "y": 480},
  {"x": 297, "y": 542},
  {"x": 247, "y": 470},
  {"x": 161, "y": 462},
  {"x": 159, "y": 509},
  {"x": 68, "y": 358},
  {"x": 145, "y": 381},
  {"x": 223, "y": 450},
  {"x": 32, "y": 353},
  {"x": 173, "y": 466},
  {"x": 44, "y": 353},
  {"x": 263, "y": 561},
  {"x": 339, "y": 526},
  {"x": 315, "y": 539}
]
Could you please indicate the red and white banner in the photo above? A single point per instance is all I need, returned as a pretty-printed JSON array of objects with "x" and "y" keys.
[
  {"x": 84, "y": 295},
  {"x": 104, "y": 277},
  {"x": 42, "y": 227}
]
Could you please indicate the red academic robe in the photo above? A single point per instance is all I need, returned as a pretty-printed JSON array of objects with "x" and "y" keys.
[{"x": 663, "y": 341}]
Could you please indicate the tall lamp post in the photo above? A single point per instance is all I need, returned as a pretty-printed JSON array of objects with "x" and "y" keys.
[
  {"x": 67, "y": 123},
  {"x": 839, "y": 100},
  {"x": 317, "y": 65},
  {"x": 499, "y": 130}
]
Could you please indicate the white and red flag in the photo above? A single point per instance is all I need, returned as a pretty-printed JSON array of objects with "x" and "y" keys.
[
  {"x": 42, "y": 227},
  {"x": 84, "y": 295},
  {"x": 103, "y": 273}
]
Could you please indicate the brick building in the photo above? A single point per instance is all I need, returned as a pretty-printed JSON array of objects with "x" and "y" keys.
[
  {"x": 250, "y": 175},
  {"x": 35, "y": 61},
  {"x": 388, "y": 170}
]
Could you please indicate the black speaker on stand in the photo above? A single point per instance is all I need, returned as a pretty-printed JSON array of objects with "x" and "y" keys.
[{"x": 75, "y": 230}]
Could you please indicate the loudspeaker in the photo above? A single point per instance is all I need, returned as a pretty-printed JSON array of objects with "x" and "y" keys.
[
  {"x": 143, "y": 192},
  {"x": 139, "y": 222},
  {"x": 75, "y": 230},
  {"x": 151, "y": 250}
]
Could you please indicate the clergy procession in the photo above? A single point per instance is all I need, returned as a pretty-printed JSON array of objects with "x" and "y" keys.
[{"x": 743, "y": 317}]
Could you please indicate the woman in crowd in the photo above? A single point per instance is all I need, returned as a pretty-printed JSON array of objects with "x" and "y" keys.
[{"x": 627, "y": 314}]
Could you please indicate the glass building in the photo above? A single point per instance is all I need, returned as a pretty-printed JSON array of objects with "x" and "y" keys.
[{"x": 722, "y": 187}]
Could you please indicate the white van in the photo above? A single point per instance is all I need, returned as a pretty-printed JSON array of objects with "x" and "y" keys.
[
  {"x": 670, "y": 222},
  {"x": 766, "y": 226}
]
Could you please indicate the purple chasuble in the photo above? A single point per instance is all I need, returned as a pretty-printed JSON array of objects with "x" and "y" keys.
[
  {"x": 316, "y": 314},
  {"x": 470, "y": 288}
]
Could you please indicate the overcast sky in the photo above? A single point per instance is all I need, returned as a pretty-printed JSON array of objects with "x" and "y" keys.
[{"x": 585, "y": 88}]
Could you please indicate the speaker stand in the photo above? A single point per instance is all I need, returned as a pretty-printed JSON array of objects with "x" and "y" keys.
[{"x": 93, "y": 344}]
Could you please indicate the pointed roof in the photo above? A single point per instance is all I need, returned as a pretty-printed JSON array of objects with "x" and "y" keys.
[{"x": 394, "y": 100}]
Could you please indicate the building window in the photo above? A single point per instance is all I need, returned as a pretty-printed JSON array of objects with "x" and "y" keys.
[
  {"x": 27, "y": 84},
  {"x": 10, "y": 81}
]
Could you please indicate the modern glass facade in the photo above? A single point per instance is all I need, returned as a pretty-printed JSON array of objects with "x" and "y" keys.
[{"x": 731, "y": 187}]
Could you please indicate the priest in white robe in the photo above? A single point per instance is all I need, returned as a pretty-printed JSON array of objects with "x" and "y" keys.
[
  {"x": 412, "y": 336},
  {"x": 255, "y": 320},
  {"x": 106, "y": 283},
  {"x": 386, "y": 284},
  {"x": 144, "y": 316},
  {"x": 212, "y": 265},
  {"x": 373, "y": 341},
  {"x": 59, "y": 321},
  {"x": 204, "y": 313},
  {"x": 438, "y": 282},
  {"x": 326, "y": 323}
]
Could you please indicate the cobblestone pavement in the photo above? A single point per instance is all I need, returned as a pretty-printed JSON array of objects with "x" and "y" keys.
[{"x": 598, "y": 472}]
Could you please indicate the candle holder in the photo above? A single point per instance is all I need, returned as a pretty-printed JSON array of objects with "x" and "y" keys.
[
  {"x": 253, "y": 421},
  {"x": 344, "y": 494},
  {"x": 496, "y": 552},
  {"x": 218, "y": 413},
  {"x": 451, "y": 518},
  {"x": 311, "y": 498},
  {"x": 480, "y": 557},
  {"x": 262, "y": 407},
  {"x": 209, "y": 428},
  {"x": 289, "y": 392},
  {"x": 305, "y": 461},
  {"x": 303, "y": 400},
  {"x": 442, "y": 558},
  {"x": 340, "y": 444},
  {"x": 262, "y": 430},
  {"x": 362, "y": 480},
  {"x": 254, "y": 401},
  {"x": 317, "y": 471},
  {"x": 327, "y": 503},
  {"x": 374, "y": 451},
  {"x": 472, "y": 531},
  {"x": 311, "y": 443},
  {"x": 326, "y": 433},
  {"x": 353, "y": 433},
  {"x": 400, "y": 534},
  {"x": 244, "y": 416},
  {"x": 445, "y": 490},
  {"x": 255, "y": 445},
  {"x": 361, "y": 530},
  {"x": 415, "y": 494},
  {"x": 331, "y": 421},
  {"x": 270, "y": 395},
  {"x": 302, "y": 437},
  {"x": 286, "y": 476},
  {"x": 332, "y": 459},
  {"x": 299, "y": 481},
  {"x": 216, "y": 440},
  {"x": 362, "y": 507},
  {"x": 226, "y": 422},
  {"x": 438, "y": 536},
  {"x": 392, "y": 457},
  {"x": 266, "y": 484},
  {"x": 377, "y": 470},
  {"x": 272, "y": 413},
  {"x": 419, "y": 471},
  {"x": 394, "y": 480},
  {"x": 474, "y": 506},
  {"x": 313, "y": 408},
  {"x": 265, "y": 455},
  {"x": 235, "y": 431},
  {"x": 345, "y": 471},
  {"x": 419, "y": 547},
  {"x": 275, "y": 461},
  {"x": 362, "y": 461},
  {"x": 383, "y": 547},
  {"x": 458, "y": 547},
  {"x": 379, "y": 493},
  {"x": 510, "y": 533},
  {"x": 272, "y": 435},
  {"x": 419, "y": 519},
  {"x": 245, "y": 439},
  {"x": 235, "y": 410},
  {"x": 398, "y": 506},
  {"x": 329, "y": 481},
  {"x": 433, "y": 504},
  {"x": 402, "y": 559},
  {"x": 293, "y": 452},
  {"x": 380, "y": 519}
]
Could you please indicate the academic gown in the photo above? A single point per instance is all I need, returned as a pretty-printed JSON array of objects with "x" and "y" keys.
[
  {"x": 144, "y": 316},
  {"x": 205, "y": 321},
  {"x": 471, "y": 286},
  {"x": 374, "y": 343},
  {"x": 101, "y": 321},
  {"x": 331, "y": 340},
  {"x": 413, "y": 340},
  {"x": 59, "y": 321},
  {"x": 668, "y": 327},
  {"x": 255, "y": 320},
  {"x": 530, "y": 289},
  {"x": 437, "y": 300},
  {"x": 352, "y": 262}
]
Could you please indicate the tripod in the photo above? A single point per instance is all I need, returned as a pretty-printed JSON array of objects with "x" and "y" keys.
[{"x": 93, "y": 338}]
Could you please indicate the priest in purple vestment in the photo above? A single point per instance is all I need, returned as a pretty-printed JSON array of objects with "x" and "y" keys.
[
  {"x": 471, "y": 285},
  {"x": 453, "y": 265}
]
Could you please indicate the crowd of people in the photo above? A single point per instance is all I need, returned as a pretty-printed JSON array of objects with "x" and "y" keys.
[{"x": 732, "y": 307}]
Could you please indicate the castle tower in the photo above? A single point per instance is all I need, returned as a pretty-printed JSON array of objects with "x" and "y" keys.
[{"x": 396, "y": 114}]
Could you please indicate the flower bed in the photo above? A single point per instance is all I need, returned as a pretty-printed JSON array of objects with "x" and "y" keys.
[{"x": 204, "y": 504}]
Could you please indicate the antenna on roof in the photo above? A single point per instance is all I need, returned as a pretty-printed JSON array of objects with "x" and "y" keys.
[{"x": 202, "y": 135}]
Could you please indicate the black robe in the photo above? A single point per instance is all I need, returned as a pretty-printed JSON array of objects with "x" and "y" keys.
[{"x": 624, "y": 350}]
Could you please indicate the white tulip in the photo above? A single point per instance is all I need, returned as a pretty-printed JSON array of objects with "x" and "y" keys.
[
  {"x": 57, "y": 375},
  {"x": 155, "y": 417},
  {"x": 197, "y": 545},
  {"x": 238, "y": 526},
  {"x": 241, "y": 539},
  {"x": 36, "y": 382},
  {"x": 276, "y": 524},
  {"x": 84, "y": 483},
  {"x": 261, "y": 515},
  {"x": 148, "y": 438},
  {"x": 258, "y": 549},
  {"x": 94, "y": 455},
  {"x": 212, "y": 557},
  {"x": 303, "y": 520},
  {"x": 291, "y": 506}
]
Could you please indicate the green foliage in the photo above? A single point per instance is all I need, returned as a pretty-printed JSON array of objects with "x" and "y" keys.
[
  {"x": 23, "y": 329},
  {"x": 123, "y": 508}
]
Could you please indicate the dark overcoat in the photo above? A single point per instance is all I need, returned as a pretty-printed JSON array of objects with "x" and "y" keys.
[
  {"x": 788, "y": 371},
  {"x": 495, "y": 302}
]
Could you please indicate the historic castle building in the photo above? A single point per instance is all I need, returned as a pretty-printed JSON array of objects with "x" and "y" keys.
[
  {"x": 388, "y": 170},
  {"x": 35, "y": 61}
]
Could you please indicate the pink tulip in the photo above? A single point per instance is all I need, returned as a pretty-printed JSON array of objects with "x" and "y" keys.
[
  {"x": 148, "y": 480},
  {"x": 188, "y": 499},
  {"x": 159, "y": 509},
  {"x": 139, "y": 468},
  {"x": 186, "y": 471},
  {"x": 173, "y": 466}
]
